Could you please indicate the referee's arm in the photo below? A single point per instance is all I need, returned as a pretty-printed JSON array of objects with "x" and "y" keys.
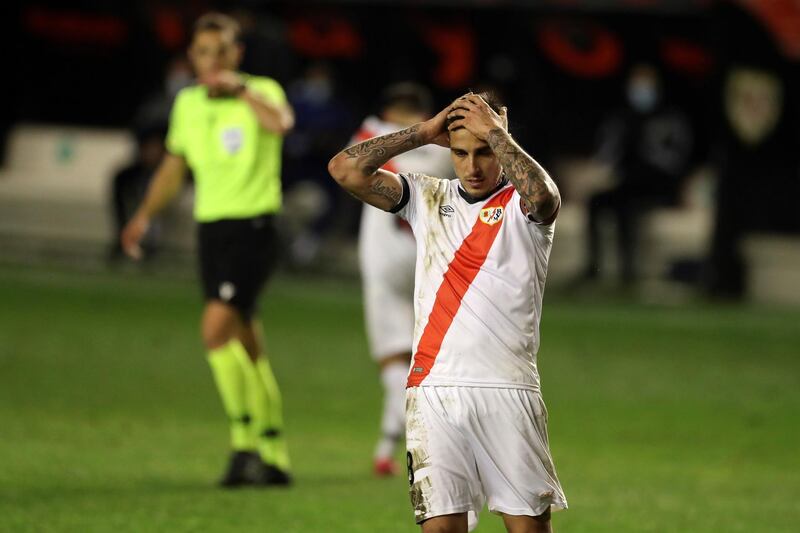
[
  {"x": 275, "y": 118},
  {"x": 165, "y": 185}
]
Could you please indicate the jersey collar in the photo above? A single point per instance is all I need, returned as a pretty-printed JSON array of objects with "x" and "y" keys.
[{"x": 475, "y": 199}]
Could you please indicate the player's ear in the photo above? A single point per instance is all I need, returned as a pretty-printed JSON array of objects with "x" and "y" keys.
[{"x": 504, "y": 117}]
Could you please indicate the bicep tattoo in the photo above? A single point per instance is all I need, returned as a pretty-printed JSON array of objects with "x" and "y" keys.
[{"x": 380, "y": 188}]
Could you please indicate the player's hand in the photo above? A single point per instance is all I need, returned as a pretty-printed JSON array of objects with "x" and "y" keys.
[
  {"x": 132, "y": 235},
  {"x": 223, "y": 83},
  {"x": 473, "y": 113},
  {"x": 434, "y": 130}
]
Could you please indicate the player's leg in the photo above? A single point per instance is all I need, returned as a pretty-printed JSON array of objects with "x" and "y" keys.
[
  {"x": 250, "y": 257},
  {"x": 451, "y": 523},
  {"x": 626, "y": 235},
  {"x": 219, "y": 325},
  {"x": 510, "y": 442},
  {"x": 528, "y": 524},
  {"x": 265, "y": 402},
  {"x": 598, "y": 204},
  {"x": 445, "y": 487},
  {"x": 394, "y": 374}
]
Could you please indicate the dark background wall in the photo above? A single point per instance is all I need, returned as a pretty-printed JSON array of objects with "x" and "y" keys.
[{"x": 559, "y": 65}]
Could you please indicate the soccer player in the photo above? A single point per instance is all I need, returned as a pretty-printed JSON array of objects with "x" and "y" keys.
[
  {"x": 386, "y": 255},
  {"x": 228, "y": 130},
  {"x": 476, "y": 423}
]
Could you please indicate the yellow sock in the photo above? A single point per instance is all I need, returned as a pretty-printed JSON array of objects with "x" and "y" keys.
[
  {"x": 272, "y": 443},
  {"x": 264, "y": 401},
  {"x": 231, "y": 385}
]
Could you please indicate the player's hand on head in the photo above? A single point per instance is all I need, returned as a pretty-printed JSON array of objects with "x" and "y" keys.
[
  {"x": 474, "y": 114},
  {"x": 435, "y": 129},
  {"x": 132, "y": 235}
]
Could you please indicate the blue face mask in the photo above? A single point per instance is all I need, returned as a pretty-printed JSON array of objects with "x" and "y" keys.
[{"x": 642, "y": 96}]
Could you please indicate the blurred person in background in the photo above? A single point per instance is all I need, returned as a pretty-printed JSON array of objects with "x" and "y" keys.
[
  {"x": 649, "y": 145},
  {"x": 758, "y": 151},
  {"x": 228, "y": 130},
  {"x": 324, "y": 122},
  {"x": 129, "y": 186},
  {"x": 476, "y": 426},
  {"x": 387, "y": 253}
]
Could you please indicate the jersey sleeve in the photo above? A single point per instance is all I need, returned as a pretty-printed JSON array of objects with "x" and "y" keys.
[
  {"x": 176, "y": 134},
  {"x": 419, "y": 191},
  {"x": 268, "y": 89},
  {"x": 536, "y": 229},
  {"x": 406, "y": 207}
]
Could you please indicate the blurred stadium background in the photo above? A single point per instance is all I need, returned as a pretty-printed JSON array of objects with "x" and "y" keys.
[{"x": 674, "y": 401}]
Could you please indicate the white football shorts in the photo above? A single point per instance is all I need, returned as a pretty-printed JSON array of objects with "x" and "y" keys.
[{"x": 470, "y": 446}]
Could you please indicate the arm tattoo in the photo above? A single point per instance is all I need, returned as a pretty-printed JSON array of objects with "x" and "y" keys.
[
  {"x": 374, "y": 153},
  {"x": 380, "y": 189},
  {"x": 532, "y": 182}
]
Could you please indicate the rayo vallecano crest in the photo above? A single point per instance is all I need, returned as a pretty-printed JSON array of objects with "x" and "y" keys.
[{"x": 491, "y": 215}]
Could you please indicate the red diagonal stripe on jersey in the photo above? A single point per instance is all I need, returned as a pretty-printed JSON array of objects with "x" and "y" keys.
[{"x": 460, "y": 274}]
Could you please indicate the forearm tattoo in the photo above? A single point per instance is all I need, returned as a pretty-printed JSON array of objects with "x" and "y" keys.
[
  {"x": 532, "y": 182},
  {"x": 372, "y": 154}
]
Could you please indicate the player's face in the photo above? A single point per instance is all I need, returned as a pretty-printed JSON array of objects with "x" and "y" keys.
[
  {"x": 212, "y": 51},
  {"x": 476, "y": 165}
]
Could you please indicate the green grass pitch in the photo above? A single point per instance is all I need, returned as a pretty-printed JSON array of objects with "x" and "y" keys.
[{"x": 661, "y": 419}]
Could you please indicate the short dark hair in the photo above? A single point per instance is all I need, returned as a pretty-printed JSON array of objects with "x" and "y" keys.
[
  {"x": 490, "y": 97},
  {"x": 218, "y": 22},
  {"x": 408, "y": 95}
]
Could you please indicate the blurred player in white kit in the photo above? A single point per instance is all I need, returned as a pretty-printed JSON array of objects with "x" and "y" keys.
[{"x": 387, "y": 253}]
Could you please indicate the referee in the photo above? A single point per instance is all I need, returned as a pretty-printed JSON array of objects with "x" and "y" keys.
[{"x": 228, "y": 129}]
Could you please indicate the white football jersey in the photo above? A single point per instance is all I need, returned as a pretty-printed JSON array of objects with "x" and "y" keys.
[{"x": 480, "y": 275}]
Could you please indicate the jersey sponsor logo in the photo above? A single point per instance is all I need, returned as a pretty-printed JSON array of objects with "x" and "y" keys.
[
  {"x": 446, "y": 210},
  {"x": 232, "y": 139},
  {"x": 491, "y": 215}
]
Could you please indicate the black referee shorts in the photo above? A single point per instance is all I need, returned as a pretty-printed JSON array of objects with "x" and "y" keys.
[{"x": 237, "y": 256}]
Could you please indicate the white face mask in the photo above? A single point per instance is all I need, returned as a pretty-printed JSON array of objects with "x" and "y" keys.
[{"x": 643, "y": 96}]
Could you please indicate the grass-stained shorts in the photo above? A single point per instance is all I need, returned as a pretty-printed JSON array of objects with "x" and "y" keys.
[{"x": 470, "y": 446}]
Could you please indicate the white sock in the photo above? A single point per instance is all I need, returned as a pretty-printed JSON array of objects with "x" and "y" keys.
[{"x": 393, "y": 420}]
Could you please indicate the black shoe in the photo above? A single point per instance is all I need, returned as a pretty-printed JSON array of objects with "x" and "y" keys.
[
  {"x": 244, "y": 468},
  {"x": 271, "y": 475}
]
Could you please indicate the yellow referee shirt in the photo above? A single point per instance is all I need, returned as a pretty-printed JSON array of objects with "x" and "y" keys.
[{"x": 236, "y": 163}]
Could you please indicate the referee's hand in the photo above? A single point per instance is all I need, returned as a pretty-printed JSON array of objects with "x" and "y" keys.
[{"x": 132, "y": 235}]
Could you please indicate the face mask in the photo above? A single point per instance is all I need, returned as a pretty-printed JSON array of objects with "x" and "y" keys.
[
  {"x": 318, "y": 91},
  {"x": 642, "y": 96}
]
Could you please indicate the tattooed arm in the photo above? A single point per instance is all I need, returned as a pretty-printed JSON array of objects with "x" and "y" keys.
[
  {"x": 358, "y": 168},
  {"x": 538, "y": 191},
  {"x": 540, "y": 196}
]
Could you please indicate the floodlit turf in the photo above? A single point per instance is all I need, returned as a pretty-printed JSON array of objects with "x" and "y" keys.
[{"x": 661, "y": 419}]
